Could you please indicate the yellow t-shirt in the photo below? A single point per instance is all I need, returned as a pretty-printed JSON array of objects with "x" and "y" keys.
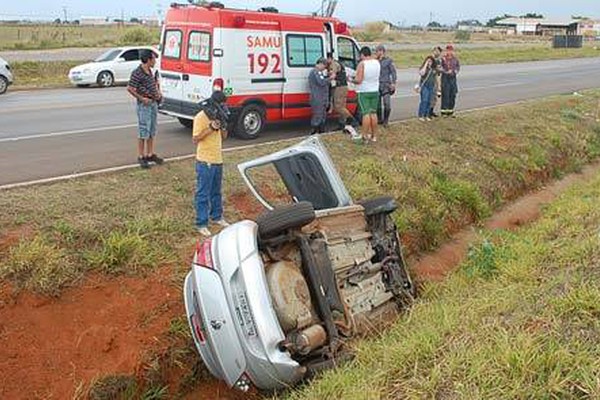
[{"x": 209, "y": 148}]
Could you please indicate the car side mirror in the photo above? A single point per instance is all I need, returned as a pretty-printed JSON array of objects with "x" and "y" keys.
[{"x": 120, "y": 59}]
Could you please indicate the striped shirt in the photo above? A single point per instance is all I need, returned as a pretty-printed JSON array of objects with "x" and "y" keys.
[{"x": 145, "y": 85}]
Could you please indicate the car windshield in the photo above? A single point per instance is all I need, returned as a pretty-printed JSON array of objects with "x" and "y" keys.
[{"x": 109, "y": 55}]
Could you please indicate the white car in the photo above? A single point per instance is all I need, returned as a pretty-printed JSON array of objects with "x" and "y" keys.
[
  {"x": 114, "y": 66},
  {"x": 6, "y": 77}
]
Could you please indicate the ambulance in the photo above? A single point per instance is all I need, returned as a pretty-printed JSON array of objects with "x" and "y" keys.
[{"x": 260, "y": 59}]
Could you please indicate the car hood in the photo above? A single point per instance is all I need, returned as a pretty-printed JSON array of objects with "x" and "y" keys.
[{"x": 92, "y": 66}]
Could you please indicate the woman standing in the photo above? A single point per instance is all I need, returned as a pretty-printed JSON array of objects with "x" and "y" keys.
[
  {"x": 427, "y": 85},
  {"x": 367, "y": 87}
]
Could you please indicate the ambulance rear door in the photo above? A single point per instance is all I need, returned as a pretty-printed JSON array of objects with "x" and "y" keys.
[{"x": 171, "y": 61}]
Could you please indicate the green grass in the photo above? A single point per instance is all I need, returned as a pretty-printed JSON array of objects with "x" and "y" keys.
[
  {"x": 444, "y": 175},
  {"x": 42, "y": 74},
  {"x": 38, "y": 37},
  {"x": 497, "y": 55},
  {"x": 518, "y": 320}
]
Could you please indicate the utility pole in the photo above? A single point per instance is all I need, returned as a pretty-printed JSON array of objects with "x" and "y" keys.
[
  {"x": 65, "y": 17},
  {"x": 122, "y": 18}
]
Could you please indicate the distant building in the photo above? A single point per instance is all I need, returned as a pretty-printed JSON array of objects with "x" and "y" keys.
[
  {"x": 94, "y": 21},
  {"x": 390, "y": 27},
  {"x": 589, "y": 27},
  {"x": 150, "y": 21},
  {"x": 540, "y": 26},
  {"x": 472, "y": 28}
]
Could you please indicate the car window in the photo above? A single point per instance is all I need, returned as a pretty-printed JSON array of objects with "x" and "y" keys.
[
  {"x": 304, "y": 50},
  {"x": 347, "y": 54},
  {"x": 199, "y": 46},
  {"x": 131, "y": 55},
  {"x": 110, "y": 55},
  {"x": 172, "y": 44}
]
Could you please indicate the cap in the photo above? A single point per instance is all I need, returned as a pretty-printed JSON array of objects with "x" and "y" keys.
[
  {"x": 321, "y": 60},
  {"x": 380, "y": 47}
]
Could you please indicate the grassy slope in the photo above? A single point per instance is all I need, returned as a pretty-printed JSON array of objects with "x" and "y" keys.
[
  {"x": 519, "y": 320},
  {"x": 445, "y": 175},
  {"x": 498, "y": 55}
]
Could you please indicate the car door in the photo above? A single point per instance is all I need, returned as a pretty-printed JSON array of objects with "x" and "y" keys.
[
  {"x": 307, "y": 172},
  {"x": 126, "y": 63}
]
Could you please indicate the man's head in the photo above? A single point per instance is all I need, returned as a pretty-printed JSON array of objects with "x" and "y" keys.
[
  {"x": 437, "y": 52},
  {"x": 148, "y": 58},
  {"x": 321, "y": 64},
  {"x": 450, "y": 50},
  {"x": 365, "y": 53},
  {"x": 380, "y": 51}
]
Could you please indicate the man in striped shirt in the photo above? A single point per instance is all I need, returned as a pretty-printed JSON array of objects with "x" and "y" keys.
[{"x": 143, "y": 85}]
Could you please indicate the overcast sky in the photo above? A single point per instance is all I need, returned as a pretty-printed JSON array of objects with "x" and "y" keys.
[{"x": 353, "y": 11}]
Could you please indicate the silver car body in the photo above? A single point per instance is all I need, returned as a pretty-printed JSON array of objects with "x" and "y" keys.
[
  {"x": 228, "y": 303},
  {"x": 6, "y": 72}
]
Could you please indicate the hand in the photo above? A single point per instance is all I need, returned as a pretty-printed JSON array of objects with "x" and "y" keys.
[
  {"x": 392, "y": 87},
  {"x": 195, "y": 139},
  {"x": 215, "y": 124},
  {"x": 146, "y": 101}
]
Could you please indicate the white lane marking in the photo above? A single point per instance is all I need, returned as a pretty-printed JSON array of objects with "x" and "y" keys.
[
  {"x": 62, "y": 106},
  {"x": 75, "y": 132},
  {"x": 133, "y": 166}
]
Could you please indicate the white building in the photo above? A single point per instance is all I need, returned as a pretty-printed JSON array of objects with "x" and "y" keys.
[
  {"x": 589, "y": 27},
  {"x": 540, "y": 26},
  {"x": 94, "y": 21}
]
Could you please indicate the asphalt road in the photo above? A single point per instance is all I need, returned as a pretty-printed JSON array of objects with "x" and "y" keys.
[{"x": 51, "y": 133}]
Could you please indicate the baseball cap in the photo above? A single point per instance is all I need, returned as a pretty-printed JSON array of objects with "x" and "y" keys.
[
  {"x": 321, "y": 60},
  {"x": 380, "y": 47}
]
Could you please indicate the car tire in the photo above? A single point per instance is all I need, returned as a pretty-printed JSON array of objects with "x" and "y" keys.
[
  {"x": 3, "y": 84},
  {"x": 105, "y": 79},
  {"x": 284, "y": 218},
  {"x": 188, "y": 123},
  {"x": 250, "y": 122}
]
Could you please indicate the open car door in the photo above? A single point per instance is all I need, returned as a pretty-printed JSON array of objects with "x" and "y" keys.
[{"x": 307, "y": 172}]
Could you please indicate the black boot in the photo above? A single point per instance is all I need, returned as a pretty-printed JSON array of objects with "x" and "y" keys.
[{"x": 386, "y": 117}]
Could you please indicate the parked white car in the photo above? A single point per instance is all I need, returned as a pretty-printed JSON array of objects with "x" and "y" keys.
[
  {"x": 114, "y": 66},
  {"x": 6, "y": 77}
]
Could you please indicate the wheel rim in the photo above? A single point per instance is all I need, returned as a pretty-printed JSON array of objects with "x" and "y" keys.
[
  {"x": 105, "y": 79},
  {"x": 3, "y": 85},
  {"x": 252, "y": 123}
]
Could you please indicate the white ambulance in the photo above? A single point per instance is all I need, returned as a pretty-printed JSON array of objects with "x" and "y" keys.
[{"x": 260, "y": 59}]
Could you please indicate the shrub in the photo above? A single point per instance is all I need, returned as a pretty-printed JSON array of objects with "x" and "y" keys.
[
  {"x": 463, "y": 36},
  {"x": 137, "y": 36}
]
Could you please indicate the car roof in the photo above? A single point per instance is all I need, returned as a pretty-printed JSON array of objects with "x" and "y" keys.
[{"x": 124, "y": 48}]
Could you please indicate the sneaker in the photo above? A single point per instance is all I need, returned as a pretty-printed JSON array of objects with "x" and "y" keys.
[
  {"x": 422, "y": 119},
  {"x": 143, "y": 162},
  {"x": 203, "y": 230},
  {"x": 374, "y": 139},
  {"x": 428, "y": 119},
  {"x": 222, "y": 223},
  {"x": 155, "y": 159}
]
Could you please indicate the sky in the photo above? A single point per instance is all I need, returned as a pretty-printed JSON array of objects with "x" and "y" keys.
[{"x": 401, "y": 12}]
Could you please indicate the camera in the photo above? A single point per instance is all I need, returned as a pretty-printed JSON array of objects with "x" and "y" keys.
[{"x": 216, "y": 112}]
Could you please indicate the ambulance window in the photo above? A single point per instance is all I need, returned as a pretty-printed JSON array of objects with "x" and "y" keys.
[
  {"x": 199, "y": 46},
  {"x": 172, "y": 47},
  {"x": 347, "y": 54},
  {"x": 303, "y": 50}
]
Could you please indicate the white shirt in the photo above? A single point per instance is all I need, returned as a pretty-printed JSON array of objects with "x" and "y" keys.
[{"x": 370, "y": 81}]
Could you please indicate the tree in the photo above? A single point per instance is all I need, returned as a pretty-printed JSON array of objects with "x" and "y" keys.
[
  {"x": 532, "y": 15},
  {"x": 469, "y": 22},
  {"x": 434, "y": 24},
  {"x": 134, "y": 20},
  {"x": 580, "y": 17},
  {"x": 57, "y": 21},
  {"x": 492, "y": 22}
]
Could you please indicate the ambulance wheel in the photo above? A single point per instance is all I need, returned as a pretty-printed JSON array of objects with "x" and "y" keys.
[
  {"x": 188, "y": 123},
  {"x": 250, "y": 122}
]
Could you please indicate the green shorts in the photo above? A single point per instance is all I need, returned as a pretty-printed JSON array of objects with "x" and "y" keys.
[{"x": 367, "y": 102}]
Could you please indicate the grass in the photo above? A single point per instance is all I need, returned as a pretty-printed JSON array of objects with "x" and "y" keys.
[
  {"x": 38, "y": 37},
  {"x": 497, "y": 55},
  {"x": 518, "y": 320},
  {"x": 42, "y": 74},
  {"x": 444, "y": 176}
]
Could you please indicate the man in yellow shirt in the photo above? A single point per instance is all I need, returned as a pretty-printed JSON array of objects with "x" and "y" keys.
[{"x": 208, "y": 135}]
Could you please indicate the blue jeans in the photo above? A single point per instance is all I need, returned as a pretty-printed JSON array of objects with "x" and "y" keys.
[
  {"x": 427, "y": 93},
  {"x": 147, "y": 119},
  {"x": 208, "y": 192}
]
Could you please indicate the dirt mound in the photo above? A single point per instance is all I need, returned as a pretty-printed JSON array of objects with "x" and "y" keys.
[{"x": 49, "y": 347}]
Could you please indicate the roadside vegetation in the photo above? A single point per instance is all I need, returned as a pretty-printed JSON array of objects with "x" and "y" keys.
[
  {"x": 519, "y": 319},
  {"x": 497, "y": 55},
  {"x": 40, "y": 37},
  {"x": 444, "y": 175}
]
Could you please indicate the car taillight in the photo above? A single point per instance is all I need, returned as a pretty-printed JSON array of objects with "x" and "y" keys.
[
  {"x": 195, "y": 322},
  {"x": 204, "y": 255},
  {"x": 218, "y": 85}
]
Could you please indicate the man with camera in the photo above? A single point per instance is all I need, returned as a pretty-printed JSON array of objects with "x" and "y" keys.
[{"x": 210, "y": 128}]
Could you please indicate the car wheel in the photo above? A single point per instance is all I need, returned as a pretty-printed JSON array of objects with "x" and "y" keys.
[
  {"x": 105, "y": 79},
  {"x": 250, "y": 122},
  {"x": 281, "y": 219},
  {"x": 188, "y": 123},
  {"x": 3, "y": 84}
]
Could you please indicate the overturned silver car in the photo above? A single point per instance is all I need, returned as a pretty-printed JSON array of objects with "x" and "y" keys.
[{"x": 270, "y": 302}]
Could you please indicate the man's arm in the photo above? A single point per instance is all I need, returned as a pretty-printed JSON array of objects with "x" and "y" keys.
[
  {"x": 360, "y": 73},
  {"x": 202, "y": 127},
  {"x": 393, "y": 73},
  {"x": 457, "y": 66},
  {"x": 133, "y": 91}
]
